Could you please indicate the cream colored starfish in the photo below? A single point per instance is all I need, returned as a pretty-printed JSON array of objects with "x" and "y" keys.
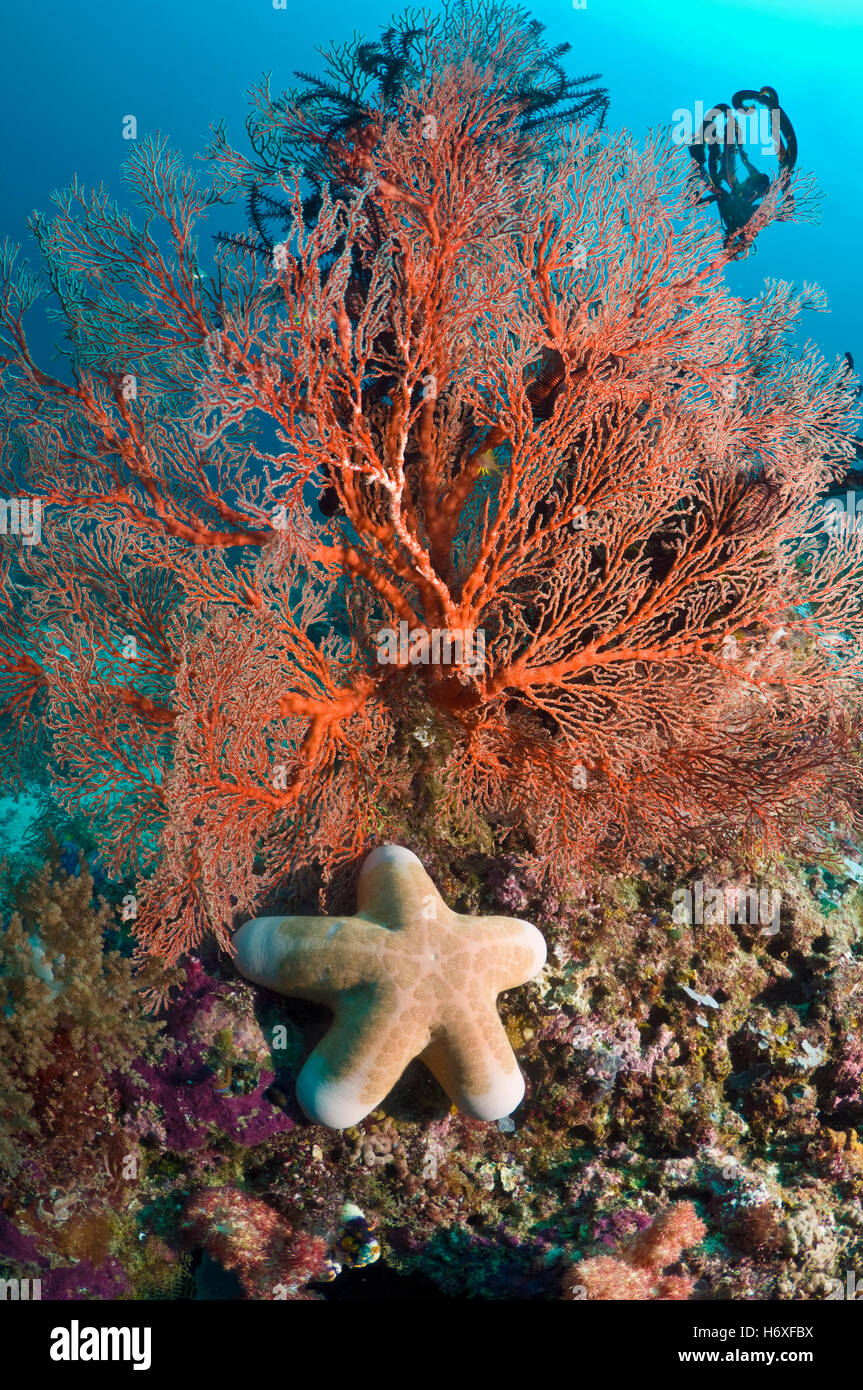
[{"x": 405, "y": 977}]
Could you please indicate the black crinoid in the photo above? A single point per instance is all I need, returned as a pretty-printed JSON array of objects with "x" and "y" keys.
[
  {"x": 549, "y": 97},
  {"x": 303, "y": 141},
  {"x": 269, "y": 220},
  {"x": 304, "y": 130},
  {"x": 365, "y": 79}
]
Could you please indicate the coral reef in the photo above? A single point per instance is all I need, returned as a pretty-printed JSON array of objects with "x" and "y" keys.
[
  {"x": 464, "y": 507},
  {"x": 642, "y": 1100},
  {"x": 71, "y": 1018},
  {"x": 213, "y": 1077}
]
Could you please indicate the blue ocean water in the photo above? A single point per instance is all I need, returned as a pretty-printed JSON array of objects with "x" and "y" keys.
[{"x": 71, "y": 72}]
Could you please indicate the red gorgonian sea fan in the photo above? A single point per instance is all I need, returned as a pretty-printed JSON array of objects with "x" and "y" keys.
[{"x": 544, "y": 422}]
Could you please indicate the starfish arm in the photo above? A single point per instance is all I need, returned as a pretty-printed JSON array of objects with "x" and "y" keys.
[
  {"x": 360, "y": 1059},
  {"x": 513, "y": 951},
  {"x": 299, "y": 956},
  {"x": 476, "y": 1066},
  {"x": 394, "y": 888}
]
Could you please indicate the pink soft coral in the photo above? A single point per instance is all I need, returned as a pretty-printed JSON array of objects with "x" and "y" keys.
[
  {"x": 245, "y": 1235},
  {"x": 636, "y": 1272}
]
